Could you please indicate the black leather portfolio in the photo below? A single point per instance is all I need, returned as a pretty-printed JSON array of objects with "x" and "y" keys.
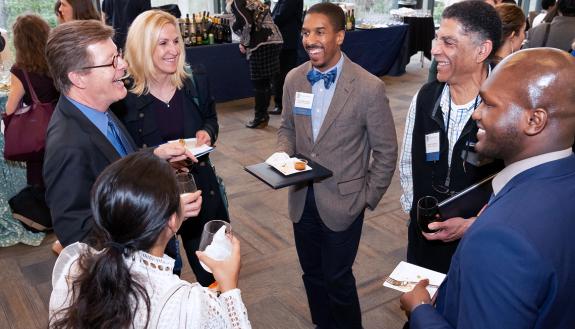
[{"x": 468, "y": 202}]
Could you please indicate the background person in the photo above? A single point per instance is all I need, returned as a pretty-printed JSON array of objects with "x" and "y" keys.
[
  {"x": 557, "y": 34},
  {"x": 12, "y": 180},
  {"x": 78, "y": 10},
  {"x": 513, "y": 30},
  {"x": 129, "y": 283},
  {"x": 260, "y": 40},
  {"x": 30, "y": 36},
  {"x": 166, "y": 103},
  {"x": 59, "y": 17},
  {"x": 120, "y": 14},
  {"x": 287, "y": 15},
  {"x": 546, "y": 5}
]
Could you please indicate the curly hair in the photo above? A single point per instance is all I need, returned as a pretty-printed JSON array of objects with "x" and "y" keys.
[
  {"x": 30, "y": 36},
  {"x": 478, "y": 18}
]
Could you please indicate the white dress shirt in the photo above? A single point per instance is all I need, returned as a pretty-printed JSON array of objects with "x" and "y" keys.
[{"x": 518, "y": 167}]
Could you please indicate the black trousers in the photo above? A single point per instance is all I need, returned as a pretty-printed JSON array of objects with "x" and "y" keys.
[
  {"x": 326, "y": 258},
  {"x": 288, "y": 60}
]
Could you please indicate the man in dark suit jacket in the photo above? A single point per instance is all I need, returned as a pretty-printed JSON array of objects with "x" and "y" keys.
[
  {"x": 287, "y": 15},
  {"x": 336, "y": 114},
  {"x": 514, "y": 267},
  {"x": 120, "y": 14},
  {"x": 83, "y": 136}
]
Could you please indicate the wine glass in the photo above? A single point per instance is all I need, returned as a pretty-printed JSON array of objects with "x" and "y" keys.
[
  {"x": 186, "y": 182},
  {"x": 427, "y": 211},
  {"x": 216, "y": 241}
]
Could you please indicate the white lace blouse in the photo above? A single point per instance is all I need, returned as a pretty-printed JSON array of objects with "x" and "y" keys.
[{"x": 175, "y": 303}]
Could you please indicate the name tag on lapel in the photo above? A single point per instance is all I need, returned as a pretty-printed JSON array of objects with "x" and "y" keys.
[{"x": 303, "y": 103}]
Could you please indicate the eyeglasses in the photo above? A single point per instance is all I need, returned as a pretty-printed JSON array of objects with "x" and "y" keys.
[{"x": 114, "y": 64}]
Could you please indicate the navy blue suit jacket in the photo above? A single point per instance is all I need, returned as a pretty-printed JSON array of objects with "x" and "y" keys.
[
  {"x": 515, "y": 266},
  {"x": 76, "y": 153},
  {"x": 287, "y": 15}
]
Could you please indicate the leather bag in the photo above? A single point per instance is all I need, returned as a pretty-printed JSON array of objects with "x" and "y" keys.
[{"x": 25, "y": 130}]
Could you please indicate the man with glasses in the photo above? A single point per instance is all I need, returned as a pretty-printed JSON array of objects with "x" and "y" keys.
[
  {"x": 83, "y": 135},
  {"x": 438, "y": 157}
]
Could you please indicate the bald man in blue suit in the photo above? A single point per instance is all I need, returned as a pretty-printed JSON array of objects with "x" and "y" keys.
[{"x": 514, "y": 267}]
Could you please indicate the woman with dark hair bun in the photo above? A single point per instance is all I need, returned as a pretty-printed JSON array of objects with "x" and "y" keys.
[{"x": 129, "y": 282}]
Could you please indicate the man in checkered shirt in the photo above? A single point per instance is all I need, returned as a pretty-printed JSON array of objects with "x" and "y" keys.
[{"x": 438, "y": 156}]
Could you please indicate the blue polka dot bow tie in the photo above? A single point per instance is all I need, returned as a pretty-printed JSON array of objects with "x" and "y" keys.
[{"x": 314, "y": 76}]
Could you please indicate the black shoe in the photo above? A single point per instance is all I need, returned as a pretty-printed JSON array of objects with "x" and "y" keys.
[
  {"x": 258, "y": 123},
  {"x": 275, "y": 111}
]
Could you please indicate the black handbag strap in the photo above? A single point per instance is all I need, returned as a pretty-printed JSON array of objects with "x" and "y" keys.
[
  {"x": 30, "y": 88},
  {"x": 546, "y": 35}
]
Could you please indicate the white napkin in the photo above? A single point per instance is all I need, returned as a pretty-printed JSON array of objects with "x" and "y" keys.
[
  {"x": 283, "y": 163},
  {"x": 219, "y": 249}
]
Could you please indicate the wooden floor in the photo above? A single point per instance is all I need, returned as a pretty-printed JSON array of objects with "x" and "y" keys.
[{"x": 270, "y": 278}]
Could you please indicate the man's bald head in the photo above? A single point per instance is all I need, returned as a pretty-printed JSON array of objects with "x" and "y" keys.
[
  {"x": 528, "y": 105},
  {"x": 542, "y": 77}
]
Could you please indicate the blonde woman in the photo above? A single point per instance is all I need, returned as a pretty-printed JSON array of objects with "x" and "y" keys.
[{"x": 165, "y": 103}]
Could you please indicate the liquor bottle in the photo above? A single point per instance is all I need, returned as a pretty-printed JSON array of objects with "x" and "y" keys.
[
  {"x": 214, "y": 29},
  {"x": 347, "y": 21},
  {"x": 187, "y": 30},
  {"x": 352, "y": 20},
  {"x": 228, "y": 32},
  {"x": 192, "y": 37},
  {"x": 182, "y": 26},
  {"x": 198, "y": 36},
  {"x": 205, "y": 39},
  {"x": 220, "y": 32}
]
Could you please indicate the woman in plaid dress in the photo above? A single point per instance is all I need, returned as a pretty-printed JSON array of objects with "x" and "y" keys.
[{"x": 260, "y": 40}]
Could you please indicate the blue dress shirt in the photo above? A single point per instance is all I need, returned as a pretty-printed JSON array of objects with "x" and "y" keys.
[{"x": 322, "y": 98}]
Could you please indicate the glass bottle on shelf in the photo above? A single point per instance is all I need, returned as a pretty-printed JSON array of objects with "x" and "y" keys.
[
  {"x": 347, "y": 21},
  {"x": 187, "y": 29}
]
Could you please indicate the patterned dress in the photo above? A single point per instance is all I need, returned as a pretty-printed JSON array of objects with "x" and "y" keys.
[{"x": 12, "y": 180}]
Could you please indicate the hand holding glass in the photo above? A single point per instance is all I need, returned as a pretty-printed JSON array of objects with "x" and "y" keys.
[
  {"x": 186, "y": 182},
  {"x": 215, "y": 241},
  {"x": 427, "y": 212}
]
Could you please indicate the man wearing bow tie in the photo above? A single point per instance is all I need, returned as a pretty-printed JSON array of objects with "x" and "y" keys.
[{"x": 336, "y": 114}]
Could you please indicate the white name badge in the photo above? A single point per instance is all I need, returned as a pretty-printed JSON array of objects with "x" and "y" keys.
[
  {"x": 432, "y": 146},
  {"x": 303, "y": 100}
]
